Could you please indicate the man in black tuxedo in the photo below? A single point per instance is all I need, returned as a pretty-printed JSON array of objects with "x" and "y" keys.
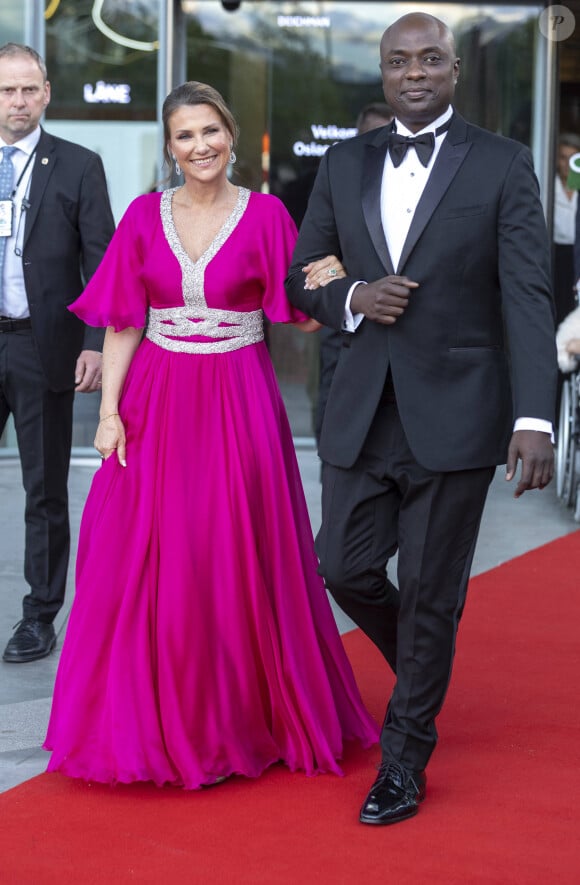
[
  {"x": 60, "y": 224},
  {"x": 448, "y": 269}
]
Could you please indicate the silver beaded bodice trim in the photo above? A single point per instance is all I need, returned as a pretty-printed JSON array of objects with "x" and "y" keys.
[{"x": 229, "y": 329}]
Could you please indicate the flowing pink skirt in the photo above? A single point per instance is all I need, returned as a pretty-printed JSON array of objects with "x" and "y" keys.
[{"x": 201, "y": 642}]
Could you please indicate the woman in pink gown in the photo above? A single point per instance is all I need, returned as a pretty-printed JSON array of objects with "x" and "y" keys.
[{"x": 201, "y": 643}]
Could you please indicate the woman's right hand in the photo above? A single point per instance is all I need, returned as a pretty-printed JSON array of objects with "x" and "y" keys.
[{"x": 110, "y": 437}]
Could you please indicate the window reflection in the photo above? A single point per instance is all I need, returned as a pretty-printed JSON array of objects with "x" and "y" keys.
[
  {"x": 323, "y": 66},
  {"x": 11, "y": 22},
  {"x": 102, "y": 59}
]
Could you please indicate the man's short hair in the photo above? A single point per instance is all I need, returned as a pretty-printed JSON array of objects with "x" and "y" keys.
[
  {"x": 571, "y": 139},
  {"x": 9, "y": 50}
]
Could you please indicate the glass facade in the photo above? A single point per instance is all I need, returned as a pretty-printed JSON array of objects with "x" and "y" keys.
[
  {"x": 12, "y": 21},
  {"x": 295, "y": 74}
]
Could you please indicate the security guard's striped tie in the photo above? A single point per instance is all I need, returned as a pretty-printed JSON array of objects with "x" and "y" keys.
[{"x": 6, "y": 185}]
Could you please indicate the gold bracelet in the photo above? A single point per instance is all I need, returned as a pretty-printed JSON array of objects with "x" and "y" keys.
[{"x": 112, "y": 415}]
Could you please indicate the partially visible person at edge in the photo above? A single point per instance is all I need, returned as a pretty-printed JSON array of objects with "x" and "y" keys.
[
  {"x": 200, "y": 631},
  {"x": 56, "y": 226},
  {"x": 371, "y": 116},
  {"x": 565, "y": 209},
  {"x": 441, "y": 231},
  {"x": 568, "y": 331},
  {"x": 577, "y": 251}
]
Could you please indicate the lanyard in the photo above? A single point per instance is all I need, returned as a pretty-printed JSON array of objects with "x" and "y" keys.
[{"x": 21, "y": 176}]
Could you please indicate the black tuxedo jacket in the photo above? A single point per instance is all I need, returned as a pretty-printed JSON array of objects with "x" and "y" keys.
[
  {"x": 475, "y": 347},
  {"x": 67, "y": 229}
]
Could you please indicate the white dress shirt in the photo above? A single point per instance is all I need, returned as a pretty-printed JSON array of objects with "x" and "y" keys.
[
  {"x": 14, "y": 301},
  {"x": 564, "y": 214},
  {"x": 404, "y": 186}
]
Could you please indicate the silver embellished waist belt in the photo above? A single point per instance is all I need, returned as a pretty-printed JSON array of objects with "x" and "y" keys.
[{"x": 228, "y": 329}]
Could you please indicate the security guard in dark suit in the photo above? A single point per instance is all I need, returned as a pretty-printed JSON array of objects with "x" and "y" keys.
[{"x": 58, "y": 223}]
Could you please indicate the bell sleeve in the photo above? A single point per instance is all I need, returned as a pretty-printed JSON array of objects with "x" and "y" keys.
[
  {"x": 116, "y": 294},
  {"x": 280, "y": 239}
]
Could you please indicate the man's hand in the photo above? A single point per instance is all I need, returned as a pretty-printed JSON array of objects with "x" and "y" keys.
[
  {"x": 536, "y": 452},
  {"x": 88, "y": 371},
  {"x": 383, "y": 301}
]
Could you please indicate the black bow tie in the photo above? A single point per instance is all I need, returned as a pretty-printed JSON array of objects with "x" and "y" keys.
[{"x": 424, "y": 145}]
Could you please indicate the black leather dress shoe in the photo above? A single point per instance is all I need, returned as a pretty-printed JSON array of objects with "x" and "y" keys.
[
  {"x": 32, "y": 640},
  {"x": 394, "y": 796}
]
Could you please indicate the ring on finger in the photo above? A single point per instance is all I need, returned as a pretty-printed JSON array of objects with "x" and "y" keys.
[{"x": 331, "y": 271}]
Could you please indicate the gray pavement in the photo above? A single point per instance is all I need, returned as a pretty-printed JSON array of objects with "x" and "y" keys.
[{"x": 509, "y": 528}]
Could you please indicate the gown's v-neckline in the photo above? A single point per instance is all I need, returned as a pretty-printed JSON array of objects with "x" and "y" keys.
[
  {"x": 221, "y": 236},
  {"x": 193, "y": 271}
]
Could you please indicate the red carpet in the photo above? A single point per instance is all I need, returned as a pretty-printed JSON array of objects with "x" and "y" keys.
[{"x": 501, "y": 804}]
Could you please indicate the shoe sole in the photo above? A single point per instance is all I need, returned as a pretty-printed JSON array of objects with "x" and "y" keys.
[{"x": 389, "y": 820}]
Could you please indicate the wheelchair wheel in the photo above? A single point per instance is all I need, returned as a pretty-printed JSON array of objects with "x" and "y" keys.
[
  {"x": 563, "y": 437},
  {"x": 567, "y": 443}
]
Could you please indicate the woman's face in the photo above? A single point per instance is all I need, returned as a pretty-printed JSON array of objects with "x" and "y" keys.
[{"x": 200, "y": 142}]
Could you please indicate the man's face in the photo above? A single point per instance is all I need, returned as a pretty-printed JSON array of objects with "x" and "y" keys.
[
  {"x": 419, "y": 69},
  {"x": 565, "y": 151},
  {"x": 24, "y": 94}
]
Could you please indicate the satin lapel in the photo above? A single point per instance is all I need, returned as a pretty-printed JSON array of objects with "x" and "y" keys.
[
  {"x": 452, "y": 154},
  {"x": 44, "y": 163},
  {"x": 374, "y": 163}
]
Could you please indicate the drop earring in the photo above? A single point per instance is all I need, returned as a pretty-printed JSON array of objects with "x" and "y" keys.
[
  {"x": 178, "y": 171},
  {"x": 233, "y": 157}
]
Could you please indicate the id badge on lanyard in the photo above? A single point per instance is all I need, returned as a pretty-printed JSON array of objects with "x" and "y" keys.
[{"x": 6, "y": 215}]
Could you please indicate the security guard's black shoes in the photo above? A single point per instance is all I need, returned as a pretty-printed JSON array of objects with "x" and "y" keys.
[{"x": 32, "y": 640}]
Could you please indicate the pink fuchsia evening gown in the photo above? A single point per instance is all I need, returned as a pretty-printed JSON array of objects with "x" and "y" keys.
[{"x": 201, "y": 642}]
